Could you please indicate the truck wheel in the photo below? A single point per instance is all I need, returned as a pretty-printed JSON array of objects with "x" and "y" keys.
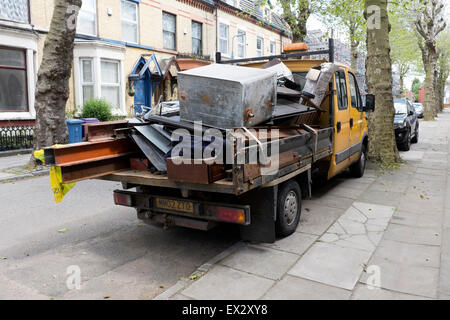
[
  {"x": 288, "y": 208},
  {"x": 357, "y": 169}
]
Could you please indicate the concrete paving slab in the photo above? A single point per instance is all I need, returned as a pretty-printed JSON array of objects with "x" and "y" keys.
[
  {"x": 418, "y": 220},
  {"x": 426, "y": 236},
  {"x": 407, "y": 254},
  {"x": 387, "y": 198},
  {"x": 317, "y": 219},
  {"x": 296, "y": 243},
  {"x": 412, "y": 155},
  {"x": 404, "y": 278},
  {"x": 336, "y": 202},
  {"x": 223, "y": 283},
  {"x": 293, "y": 288},
  {"x": 362, "y": 292},
  {"x": 262, "y": 261},
  {"x": 331, "y": 264},
  {"x": 12, "y": 290}
]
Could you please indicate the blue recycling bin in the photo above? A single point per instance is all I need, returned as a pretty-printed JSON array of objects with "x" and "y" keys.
[{"x": 75, "y": 130}]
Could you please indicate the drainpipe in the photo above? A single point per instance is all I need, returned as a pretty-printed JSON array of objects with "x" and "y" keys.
[{"x": 217, "y": 27}]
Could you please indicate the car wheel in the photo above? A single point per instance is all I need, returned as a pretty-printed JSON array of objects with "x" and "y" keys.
[
  {"x": 416, "y": 135},
  {"x": 357, "y": 169},
  {"x": 288, "y": 208},
  {"x": 406, "y": 145}
]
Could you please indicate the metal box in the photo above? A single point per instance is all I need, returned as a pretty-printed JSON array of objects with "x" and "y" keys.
[{"x": 227, "y": 96}]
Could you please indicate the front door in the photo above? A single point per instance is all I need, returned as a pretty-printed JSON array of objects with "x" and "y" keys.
[
  {"x": 142, "y": 95},
  {"x": 340, "y": 158}
]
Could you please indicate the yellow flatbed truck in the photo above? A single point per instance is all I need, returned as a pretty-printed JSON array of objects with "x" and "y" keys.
[{"x": 330, "y": 139}]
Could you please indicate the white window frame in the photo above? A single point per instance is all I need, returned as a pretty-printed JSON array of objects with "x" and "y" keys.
[
  {"x": 242, "y": 41},
  {"x": 260, "y": 52},
  {"x": 201, "y": 36},
  {"x": 98, "y": 51},
  {"x": 111, "y": 84},
  {"x": 86, "y": 84},
  {"x": 136, "y": 5},
  {"x": 227, "y": 39},
  {"x": 272, "y": 42},
  {"x": 176, "y": 28},
  {"x": 95, "y": 21},
  {"x": 29, "y": 42}
]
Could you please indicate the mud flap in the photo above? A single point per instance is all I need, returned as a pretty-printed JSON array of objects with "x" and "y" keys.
[{"x": 263, "y": 204}]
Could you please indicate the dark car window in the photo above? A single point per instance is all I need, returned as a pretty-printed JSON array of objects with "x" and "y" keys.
[
  {"x": 400, "y": 108},
  {"x": 354, "y": 91},
  {"x": 341, "y": 88}
]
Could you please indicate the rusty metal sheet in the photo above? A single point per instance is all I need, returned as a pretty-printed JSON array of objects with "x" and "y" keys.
[
  {"x": 88, "y": 151},
  {"x": 94, "y": 169},
  {"x": 102, "y": 130}
]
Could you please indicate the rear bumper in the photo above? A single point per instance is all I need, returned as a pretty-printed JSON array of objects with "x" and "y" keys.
[{"x": 182, "y": 211}]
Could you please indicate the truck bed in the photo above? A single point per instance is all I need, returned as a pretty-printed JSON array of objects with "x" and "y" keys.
[{"x": 308, "y": 148}]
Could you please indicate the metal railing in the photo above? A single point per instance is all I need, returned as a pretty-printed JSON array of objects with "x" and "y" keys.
[{"x": 16, "y": 137}]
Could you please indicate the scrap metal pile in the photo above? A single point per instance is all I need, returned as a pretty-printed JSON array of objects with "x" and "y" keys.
[{"x": 224, "y": 98}]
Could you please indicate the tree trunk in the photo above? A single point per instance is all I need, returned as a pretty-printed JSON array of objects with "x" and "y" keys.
[
  {"x": 52, "y": 90},
  {"x": 382, "y": 145},
  {"x": 430, "y": 94}
]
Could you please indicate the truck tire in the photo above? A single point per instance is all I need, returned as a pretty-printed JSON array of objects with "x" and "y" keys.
[
  {"x": 289, "y": 208},
  {"x": 357, "y": 169}
]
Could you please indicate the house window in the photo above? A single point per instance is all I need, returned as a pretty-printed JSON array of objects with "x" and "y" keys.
[
  {"x": 273, "y": 47},
  {"x": 13, "y": 80},
  {"x": 169, "y": 31},
  {"x": 223, "y": 38},
  {"x": 15, "y": 10},
  {"x": 87, "y": 79},
  {"x": 259, "y": 46},
  {"x": 231, "y": 2},
  {"x": 110, "y": 82},
  {"x": 196, "y": 38},
  {"x": 241, "y": 44},
  {"x": 87, "y": 18},
  {"x": 130, "y": 24}
]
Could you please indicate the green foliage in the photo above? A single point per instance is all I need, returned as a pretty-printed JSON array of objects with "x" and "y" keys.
[
  {"x": 71, "y": 114},
  {"x": 296, "y": 14},
  {"x": 97, "y": 108},
  {"x": 415, "y": 88}
]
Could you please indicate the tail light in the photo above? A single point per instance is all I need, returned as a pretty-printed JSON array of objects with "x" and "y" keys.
[
  {"x": 231, "y": 215},
  {"x": 123, "y": 199}
]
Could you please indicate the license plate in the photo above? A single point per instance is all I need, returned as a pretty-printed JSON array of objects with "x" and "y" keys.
[{"x": 174, "y": 205}]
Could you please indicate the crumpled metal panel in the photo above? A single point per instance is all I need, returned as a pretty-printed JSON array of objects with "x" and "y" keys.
[
  {"x": 14, "y": 10},
  {"x": 227, "y": 96}
]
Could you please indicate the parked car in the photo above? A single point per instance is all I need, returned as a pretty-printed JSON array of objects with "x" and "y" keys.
[
  {"x": 406, "y": 124},
  {"x": 419, "y": 109}
]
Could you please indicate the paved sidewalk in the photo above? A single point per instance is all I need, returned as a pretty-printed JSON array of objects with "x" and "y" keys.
[
  {"x": 393, "y": 224},
  {"x": 15, "y": 167}
]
